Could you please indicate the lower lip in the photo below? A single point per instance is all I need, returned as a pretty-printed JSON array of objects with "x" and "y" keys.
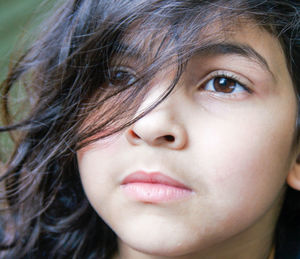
[{"x": 154, "y": 192}]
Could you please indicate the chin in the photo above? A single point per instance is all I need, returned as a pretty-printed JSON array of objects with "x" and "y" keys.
[
  {"x": 160, "y": 249},
  {"x": 162, "y": 244}
]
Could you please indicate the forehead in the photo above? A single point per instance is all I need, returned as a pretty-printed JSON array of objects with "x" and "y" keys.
[
  {"x": 265, "y": 44},
  {"x": 166, "y": 47}
]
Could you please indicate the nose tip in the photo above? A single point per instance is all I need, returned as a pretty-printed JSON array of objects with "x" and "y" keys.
[
  {"x": 165, "y": 125},
  {"x": 162, "y": 133}
]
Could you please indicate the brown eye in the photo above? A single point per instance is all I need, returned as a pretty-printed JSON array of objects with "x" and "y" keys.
[
  {"x": 121, "y": 77},
  {"x": 225, "y": 85}
]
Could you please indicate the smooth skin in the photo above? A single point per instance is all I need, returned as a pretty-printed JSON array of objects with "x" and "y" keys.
[{"x": 233, "y": 150}]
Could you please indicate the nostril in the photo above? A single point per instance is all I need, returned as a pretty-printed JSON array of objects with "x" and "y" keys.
[
  {"x": 169, "y": 138},
  {"x": 133, "y": 134}
]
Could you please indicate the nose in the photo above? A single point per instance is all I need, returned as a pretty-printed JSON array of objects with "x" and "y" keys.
[{"x": 161, "y": 127}]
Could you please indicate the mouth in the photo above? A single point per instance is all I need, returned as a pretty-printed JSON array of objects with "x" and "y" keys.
[{"x": 154, "y": 187}]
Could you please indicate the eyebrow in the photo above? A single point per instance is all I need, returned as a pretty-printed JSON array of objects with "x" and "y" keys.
[
  {"x": 127, "y": 50},
  {"x": 243, "y": 50},
  {"x": 224, "y": 48}
]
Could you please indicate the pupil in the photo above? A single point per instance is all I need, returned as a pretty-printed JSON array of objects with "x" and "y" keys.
[
  {"x": 223, "y": 81},
  {"x": 120, "y": 75},
  {"x": 121, "y": 78},
  {"x": 225, "y": 85}
]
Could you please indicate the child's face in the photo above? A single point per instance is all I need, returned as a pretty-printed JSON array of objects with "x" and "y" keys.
[{"x": 231, "y": 148}]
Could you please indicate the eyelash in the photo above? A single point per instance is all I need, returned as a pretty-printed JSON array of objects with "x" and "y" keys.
[
  {"x": 124, "y": 77},
  {"x": 227, "y": 76}
]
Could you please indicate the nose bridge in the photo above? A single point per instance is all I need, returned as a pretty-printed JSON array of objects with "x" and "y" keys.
[
  {"x": 163, "y": 126},
  {"x": 160, "y": 85},
  {"x": 165, "y": 111}
]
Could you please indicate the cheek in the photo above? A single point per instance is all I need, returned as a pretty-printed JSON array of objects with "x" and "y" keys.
[
  {"x": 245, "y": 159},
  {"x": 92, "y": 168},
  {"x": 100, "y": 166}
]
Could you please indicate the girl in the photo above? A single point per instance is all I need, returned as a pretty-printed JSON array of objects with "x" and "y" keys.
[{"x": 156, "y": 129}]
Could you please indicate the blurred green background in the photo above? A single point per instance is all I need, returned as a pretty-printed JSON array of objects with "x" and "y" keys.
[
  {"x": 18, "y": 20},
  {"x": 15, "y": 21}
]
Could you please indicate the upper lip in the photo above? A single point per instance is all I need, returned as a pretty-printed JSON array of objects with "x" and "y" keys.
[{"x": 154, "y": 178}]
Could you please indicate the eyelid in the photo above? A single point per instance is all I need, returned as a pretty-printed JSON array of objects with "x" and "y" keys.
[
  {"x": 112, "y": 71},
  {"x": 122, "y": 68},
  {"x": 228, "y": 74}
]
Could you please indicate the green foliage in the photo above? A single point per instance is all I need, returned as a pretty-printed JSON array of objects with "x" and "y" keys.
[{"x": 18, "y": 20}]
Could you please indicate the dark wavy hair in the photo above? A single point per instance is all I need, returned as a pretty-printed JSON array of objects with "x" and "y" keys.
[{"x": 69, "y": 76}]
